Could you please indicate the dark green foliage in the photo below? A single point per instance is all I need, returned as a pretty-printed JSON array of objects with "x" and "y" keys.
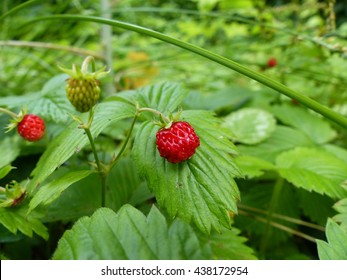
[{"x": 269, "y": 180}]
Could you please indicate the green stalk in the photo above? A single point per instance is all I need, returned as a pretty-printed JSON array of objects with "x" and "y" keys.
[
  {"x": 92, "y": 144},
  {"x": 50, "y": 46},
  {"x": 282, "y": 217},
  {"x": 138, "y": 112},
  {"x": 18, "y": 8},
  {"x": 85, "y": 64},
  {"x": 106, "y": 42},
  {"x": 114, "y": 161},
  {"x": 8, "y": 112},
  {"x": 156, "y": 112},
  {"x": 272, "y": 207},
  {"x": 308, "y": 102},
  {"x": 279, "y": 226},
  {"x": 99, "y": 166}
]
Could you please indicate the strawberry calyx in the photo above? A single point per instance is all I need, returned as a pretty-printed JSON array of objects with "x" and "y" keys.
[
  {"x": 16, "y": 118},
  {"x": 164, "y": 121},
  {"x": 82, "y": 73},
  {"x": 12, "y": 194}
]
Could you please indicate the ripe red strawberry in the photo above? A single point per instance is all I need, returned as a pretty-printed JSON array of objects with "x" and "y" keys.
[
  {"x": 272, "y": 62},
  {"x": 31, "y": 127},
  {"x": 178, "y": 142}
]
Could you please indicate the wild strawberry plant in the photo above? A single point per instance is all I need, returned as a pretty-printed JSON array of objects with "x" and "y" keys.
[{"x": 163, "y": 171}]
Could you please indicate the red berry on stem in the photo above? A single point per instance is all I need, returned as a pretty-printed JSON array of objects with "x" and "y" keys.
[
  {"x": 31, "y": 127},
  {"x": 178, "y": 142},
  {"x": 272, "y": 62}
]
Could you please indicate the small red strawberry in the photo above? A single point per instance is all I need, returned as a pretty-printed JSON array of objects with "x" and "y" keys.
[
  {"x": 272, "y": 62},
  {"x": 31, "y": 127},
  {"x": 178, "y": 142}
]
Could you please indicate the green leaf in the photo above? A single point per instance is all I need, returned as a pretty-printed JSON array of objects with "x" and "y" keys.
[
  {"x": 50, "y": 103},
  {"x": 341, "y": 207},
  {"x": 318, "y": 129},
  {"x": 6, "y": 236},
  {"x": 316, "y": 206},
  {"x": 314, "y": 170},
  {"x": 201, "y": 189},
  {"x": 282, "y": 139},
  {"x": 164, "y": 97},
  {"x": 337, "y": 151},
  {"x": 335, "y": 248},
  {"x": 250, "y": 125},
  {"x": 124, "y": 184},
  {"x": 229, "y": 245},
  {"x": 82, "y": 198},
  {"x": 16, "y": 219},
  {"x": 19, "y": 101},
  {"x": 222, "y": 102},
  {"x": 252, "y": 166},
  {"x": 206, "y": 5},
  {"x": 5, "y": 170},
  {"x": 72, "y": 139},
  {"x": 258, "y": 196},
  {"x": 9, "y": 150},
  {"x": 51, "y": 191},
  {"x": 106, "y": 236}
]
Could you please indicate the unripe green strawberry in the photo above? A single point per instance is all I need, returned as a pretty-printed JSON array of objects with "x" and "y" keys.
[
  {"x": 83, "y": 93},
  {"x": 83, "y": 88}
]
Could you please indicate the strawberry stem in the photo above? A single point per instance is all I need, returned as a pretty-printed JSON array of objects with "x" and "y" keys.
[
  {"x": 101, "y": 170},
  {"x": 156, "y": 112},
  {"x": 115, "y": 159},
  {"x": 8, "y": 112},
  {"x": 85, "y": 64},
  {"x": 99, "y": 166},
  {"x": 272, "y": 207}
]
